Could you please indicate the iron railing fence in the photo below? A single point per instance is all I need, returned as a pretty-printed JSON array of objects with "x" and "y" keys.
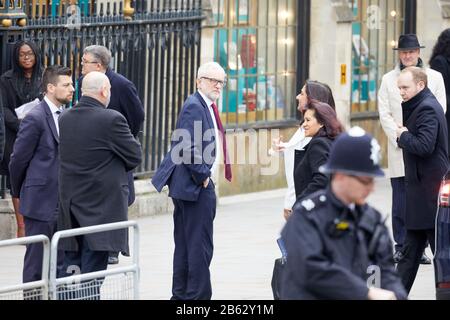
[{"x": 157, "y": 48}]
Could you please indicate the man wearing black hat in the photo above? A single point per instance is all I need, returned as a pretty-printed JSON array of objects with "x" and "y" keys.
[
  {"x": 390, "y": 110},
  {"x": 338, "y": 246}
]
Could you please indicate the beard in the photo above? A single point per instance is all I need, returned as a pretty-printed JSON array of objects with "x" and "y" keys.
[
  {"x": 65, "y": 101},
  {"x": 213, "y": 96}
]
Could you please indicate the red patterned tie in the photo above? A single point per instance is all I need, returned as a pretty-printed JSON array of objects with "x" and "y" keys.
[{"x": 226, "y": 158}]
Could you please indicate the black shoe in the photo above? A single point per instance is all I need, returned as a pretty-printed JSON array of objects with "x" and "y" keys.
[
  {"x": 425, "y": 259},
  {"x": 398, "y": 255},
  {"x": 113, "y": 260}
]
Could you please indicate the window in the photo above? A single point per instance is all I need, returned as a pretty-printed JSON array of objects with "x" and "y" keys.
[
  {"x": 375, "y": 33},
  {"x": 255, "y": 41}
]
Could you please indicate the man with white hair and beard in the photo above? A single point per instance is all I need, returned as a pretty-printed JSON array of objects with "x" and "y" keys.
[
  {"x": 96, "y": 151},
  {"x": 188, "y": 169}
]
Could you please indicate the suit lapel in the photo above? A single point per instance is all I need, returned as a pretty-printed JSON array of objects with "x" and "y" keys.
[
  {"x": 206, "y": 109},
  {"x": 50, "y": 121}
]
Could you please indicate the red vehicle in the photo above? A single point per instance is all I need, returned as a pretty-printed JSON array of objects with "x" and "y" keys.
[{"x": 442, "y": 254}]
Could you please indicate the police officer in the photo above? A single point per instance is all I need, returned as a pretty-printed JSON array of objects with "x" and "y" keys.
[{"x": 337, "y": 245}]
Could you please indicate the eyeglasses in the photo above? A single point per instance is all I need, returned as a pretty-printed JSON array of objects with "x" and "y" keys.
[
  {"x": 215, "y": 82},
  {"x": 86, "y": 62},
  {"x": 24, "y": 55},
  {"x": 365, "y": 181}
]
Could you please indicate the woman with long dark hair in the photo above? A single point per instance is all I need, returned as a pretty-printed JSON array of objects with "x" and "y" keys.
[
  {"x": 21, "y": 84},
  {"x": 440, "y": 61},
  {"x": 294, "y": 149},
  {"x": 322, "y": 126}
]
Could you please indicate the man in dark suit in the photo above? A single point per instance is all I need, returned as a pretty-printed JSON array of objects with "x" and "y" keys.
[
  {"x": 97, "y": 150},
  {"x": 423, "y": 139},
  {"x": 34, "y": 165},
  {"x": 124, "y": 98},
  {"x": 187, "y": 170}
]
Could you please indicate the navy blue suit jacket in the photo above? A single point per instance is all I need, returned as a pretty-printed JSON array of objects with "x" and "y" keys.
[
  {"x": 34, "y": 165},
  {"x": 125, "y": 99},
  {"x": 189, "y": 161}
]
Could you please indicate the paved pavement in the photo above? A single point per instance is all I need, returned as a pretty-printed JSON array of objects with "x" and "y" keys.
[{"x": 246, "y": 229}]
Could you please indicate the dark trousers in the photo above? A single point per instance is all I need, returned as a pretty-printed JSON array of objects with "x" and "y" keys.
[
  {"x": 398, "y": 211},
  {"x": 193, "y": 235},
  {"x": 32, "y": 265},
  {"x": 85, "y": 260},
  {"x": 413, "y": 246}
]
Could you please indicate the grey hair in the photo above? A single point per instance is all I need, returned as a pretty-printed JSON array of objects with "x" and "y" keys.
[
  {"x": 206, "y": 69},
  {"x": 100, "y": 53},
  {"x": 94, "y": 82}
]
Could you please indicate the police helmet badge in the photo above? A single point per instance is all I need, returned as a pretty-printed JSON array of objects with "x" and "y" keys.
[{"x": 375, "y": 152}]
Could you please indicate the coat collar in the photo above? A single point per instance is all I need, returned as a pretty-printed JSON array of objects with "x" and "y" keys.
[
  {"x": 109, "y": 73},
  {"x": 342, "y": 207},
  {"x": 86, "y": 101},
  {"x": 419, "y": 64},
  {"x": 200, "y": 98},
  {"x": 414, "y": 101}
]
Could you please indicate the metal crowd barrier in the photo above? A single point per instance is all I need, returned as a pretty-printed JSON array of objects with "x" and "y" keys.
[
  {"x": 119, "y": 283},
  {"x": 36, "y": 290}
]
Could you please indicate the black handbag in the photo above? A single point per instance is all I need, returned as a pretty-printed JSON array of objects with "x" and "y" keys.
[{"x": 278, "y": 268}]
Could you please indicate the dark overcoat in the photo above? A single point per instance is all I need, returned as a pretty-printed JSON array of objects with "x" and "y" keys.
[
  {"x": 125, "y": 99},
  {"x": 96, "y": 151},
  {"x": 307, "y": 177},
  {"x": 425, "y": 154}
]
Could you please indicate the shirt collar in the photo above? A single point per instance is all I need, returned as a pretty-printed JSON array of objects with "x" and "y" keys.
[
  {"x": 208, "y": 101},
  {"x": 53, "y": 107}
]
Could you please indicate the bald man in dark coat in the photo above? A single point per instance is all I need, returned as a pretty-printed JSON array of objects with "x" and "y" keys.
[{"x": 96, "y": 151}]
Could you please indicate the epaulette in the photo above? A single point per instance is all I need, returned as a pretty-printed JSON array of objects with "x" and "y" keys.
[{"x": 311, "y": 202}]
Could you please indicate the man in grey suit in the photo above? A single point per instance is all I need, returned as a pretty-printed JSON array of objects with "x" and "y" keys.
[{"x": 34, "y": 165}]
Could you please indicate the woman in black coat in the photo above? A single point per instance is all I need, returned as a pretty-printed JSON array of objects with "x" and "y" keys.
[
  {"x": 440, "y": 61},
  {"x": 320, "y": 123},
  {"x": 19, "y": 85}
]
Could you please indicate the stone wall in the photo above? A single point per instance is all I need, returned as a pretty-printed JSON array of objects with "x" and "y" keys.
[
  {"x": 327, "y": 54},
  {"x": 8, "y": 226}
]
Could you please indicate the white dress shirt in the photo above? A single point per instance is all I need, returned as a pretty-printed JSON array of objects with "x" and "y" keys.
[{"x": 55, "y": 112}]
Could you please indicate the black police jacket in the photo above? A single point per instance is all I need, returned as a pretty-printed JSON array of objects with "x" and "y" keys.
[{"x": 334, "y": 252}]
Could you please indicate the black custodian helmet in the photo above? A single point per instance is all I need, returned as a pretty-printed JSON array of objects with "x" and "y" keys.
[{"x": 354, "y": 153}]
